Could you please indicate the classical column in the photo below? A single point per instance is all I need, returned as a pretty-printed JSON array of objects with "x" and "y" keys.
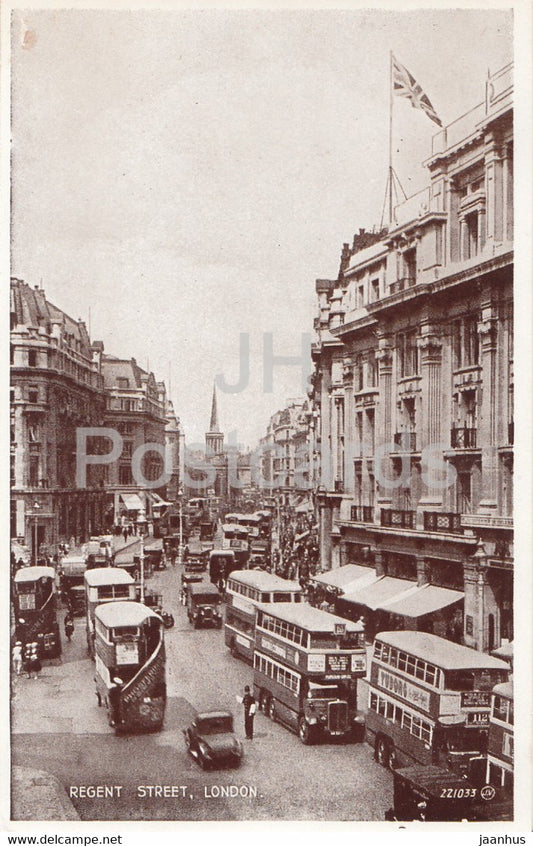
[
  {"x": 423, "y": 571},
  {"x": 494, "y": 191},
  {"x": 349, "y": 425},
  {"x": 475, "y": 585},
  {"x": 383, "y": 421},
  {"x": 430, "y": 347},
  {"x": 380, "y": 566},
  {"x": 487, "y": 434}
]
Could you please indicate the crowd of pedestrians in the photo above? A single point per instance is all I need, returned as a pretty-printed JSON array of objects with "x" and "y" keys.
[{"x": 297, "y": 556}]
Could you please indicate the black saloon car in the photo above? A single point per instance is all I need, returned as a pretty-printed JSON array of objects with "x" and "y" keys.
[{"x": 210, "y": 739}]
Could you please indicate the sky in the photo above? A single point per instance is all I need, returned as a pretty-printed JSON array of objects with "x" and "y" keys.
[{"x": 181, "y": 178}]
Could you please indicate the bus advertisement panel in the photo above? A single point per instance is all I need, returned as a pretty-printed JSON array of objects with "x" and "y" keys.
[
  {"x": 34, "y": 601},
  {"x": 104, "y": 584},
  {"x": 235, "y": 537},
  {"x": 245, "y": 590},
  {"x": 130, "y": 666},
  {"x": 306, "y": 666},
  {"x": 429, "y": 700}
]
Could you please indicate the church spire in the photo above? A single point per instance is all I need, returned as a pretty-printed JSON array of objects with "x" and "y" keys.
[
  {"x": 214, "y": 439},
  {"x": 214, "y": 425}
]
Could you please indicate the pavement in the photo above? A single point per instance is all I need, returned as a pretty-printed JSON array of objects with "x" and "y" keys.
[
  {"x": 39, "y": 796},
  {"x": 52, "y": 704}
]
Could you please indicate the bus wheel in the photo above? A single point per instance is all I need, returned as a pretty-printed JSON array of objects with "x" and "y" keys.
[
  {"x": 305, "y": 732},
  {"x": 392, "y": 761},
  {"x": 382, "y": 751},
  {"x": 272, "y": 710}
]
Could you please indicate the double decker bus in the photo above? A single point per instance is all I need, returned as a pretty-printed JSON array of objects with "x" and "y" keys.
[
  {"x": 245, "y": 590},
  {"x": 34, "y": 601},
  {"x": 252, "y": 522},
  {"x": 306, "y": 666},
  {"x": 130, "y": 666},
  {"x": 429, "y": 700},
  {"x": 500, "y": 752},
  {"x": 235, "y": 537},
  {"x": 104, "y": 584},
  {"x": 71, "y": 573}
]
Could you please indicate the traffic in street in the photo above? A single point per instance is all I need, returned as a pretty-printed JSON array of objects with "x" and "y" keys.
[{"x": 58, "y": 727}]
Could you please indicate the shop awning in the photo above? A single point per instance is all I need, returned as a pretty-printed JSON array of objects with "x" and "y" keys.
[
  {"x": 348, "y": 578},
  {"x": 424, "y": 600},
  {"x": 304, "y": 507},
  {"x": 380, "y": 592},
  {"x": 299, "y": 538},
  {"x": 504, "y": 651},
  {"x": 127, "y": 553},
  {"x": 156, "y": 500},
  {"x": 133, "y": 502}
]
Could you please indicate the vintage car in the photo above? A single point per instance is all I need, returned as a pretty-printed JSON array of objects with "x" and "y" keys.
[
  {"x": 204, "y": 605},
  {"x": 211, "y": 741}
]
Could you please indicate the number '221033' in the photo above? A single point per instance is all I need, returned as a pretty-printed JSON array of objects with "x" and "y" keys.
[{"x": 457, "y": 792}]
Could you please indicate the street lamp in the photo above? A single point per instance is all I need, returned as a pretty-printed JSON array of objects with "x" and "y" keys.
[
  {"x": 141, "y": 557},
  {"x": 180, "y": 544},
  {"x": 36, "y": 506}
]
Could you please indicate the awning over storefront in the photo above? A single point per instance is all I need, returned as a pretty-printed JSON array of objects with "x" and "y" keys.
[
  {"x": 153, "y": 544},
  {"x": 304, "y": 507},
  {"x": 379, "y": 592},
  {"x": 424, "y": 600},
  {"x": 133, "y": 502},
  {"x": 156, "y": 500},
  {"x": 126, "y": 554},
  {"x": 348, "y": 578},
  {"x": 301, "y": 537},
  {"x": 504, "y": 651}
]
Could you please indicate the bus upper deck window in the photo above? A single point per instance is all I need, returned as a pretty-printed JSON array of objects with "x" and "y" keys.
[{"x": 459, "y": 680}]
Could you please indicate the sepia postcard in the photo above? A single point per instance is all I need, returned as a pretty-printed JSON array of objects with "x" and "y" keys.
[{"x": 268, "y": 543}]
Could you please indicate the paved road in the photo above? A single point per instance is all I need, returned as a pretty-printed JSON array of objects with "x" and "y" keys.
[{"x": 59, "y": 728}]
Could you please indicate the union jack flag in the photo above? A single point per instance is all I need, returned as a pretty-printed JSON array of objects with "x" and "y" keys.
[{"x": 405, "y": 85}]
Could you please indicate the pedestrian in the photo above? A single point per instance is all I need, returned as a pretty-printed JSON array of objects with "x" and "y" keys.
[
  {"x": 17, "y": 657},
  {"x": 114, "y": 696},
  {"x": 34, "y": 662},
  {"x": 69, "y": 625},
  {"x": 249, "y": 706},
  {"x": 125, "y": 533}
]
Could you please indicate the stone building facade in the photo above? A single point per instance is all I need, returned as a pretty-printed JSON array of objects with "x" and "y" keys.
[
  {"x": 56, "y": 387},
  {"x": 413, "y": 385},
  {"x": 285, "y": 452},
  {"x": 61, "y": 382}
]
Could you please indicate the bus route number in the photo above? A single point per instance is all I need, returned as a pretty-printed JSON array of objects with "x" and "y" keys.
[{"x": 458, "y": 792}]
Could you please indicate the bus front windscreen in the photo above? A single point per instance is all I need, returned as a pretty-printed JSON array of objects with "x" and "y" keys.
[{"x": 322, "y": 691}]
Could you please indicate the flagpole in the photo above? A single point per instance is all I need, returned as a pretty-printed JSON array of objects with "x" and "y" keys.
[{"x": 390, "y": 136}]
